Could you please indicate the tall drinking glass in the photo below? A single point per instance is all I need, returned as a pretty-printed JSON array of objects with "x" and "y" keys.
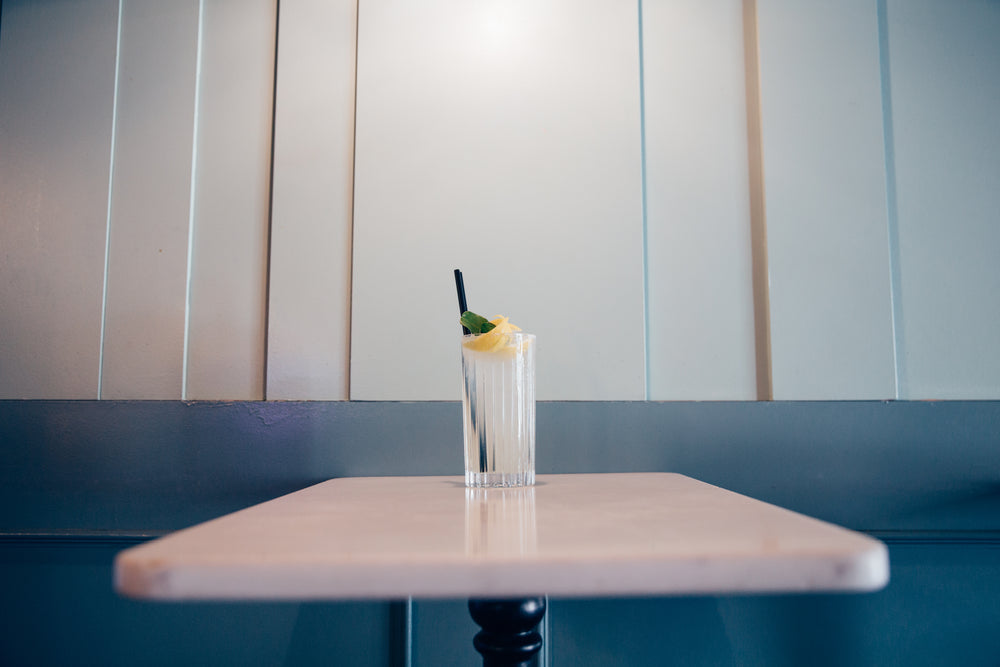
[{"x": 498, "y": 406}]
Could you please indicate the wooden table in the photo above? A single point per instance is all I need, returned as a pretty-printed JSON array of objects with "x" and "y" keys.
[{"x": 569, "y": 535}]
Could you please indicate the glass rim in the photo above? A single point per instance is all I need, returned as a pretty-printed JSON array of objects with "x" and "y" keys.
[{"x": 520, "y": 334}]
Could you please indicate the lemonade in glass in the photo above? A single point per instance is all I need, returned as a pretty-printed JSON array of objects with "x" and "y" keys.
[{"x": 498, "y": 406}]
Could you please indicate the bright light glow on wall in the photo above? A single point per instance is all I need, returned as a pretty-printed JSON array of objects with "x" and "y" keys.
[
  {"x": 496, "y": 24},
  {"x": 498, "y": 29}
]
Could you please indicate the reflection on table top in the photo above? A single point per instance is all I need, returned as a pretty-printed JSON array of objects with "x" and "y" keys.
[{"x": 569, "y": 535}]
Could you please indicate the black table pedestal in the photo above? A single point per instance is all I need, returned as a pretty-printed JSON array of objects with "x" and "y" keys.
[{"x": 509, "y": 636}]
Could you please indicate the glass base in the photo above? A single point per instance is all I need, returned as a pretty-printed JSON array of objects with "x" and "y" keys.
[{"x": 492, "y": 480}]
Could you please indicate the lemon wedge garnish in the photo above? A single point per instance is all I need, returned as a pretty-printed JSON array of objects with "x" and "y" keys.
[{"x": 495, "y": 339}]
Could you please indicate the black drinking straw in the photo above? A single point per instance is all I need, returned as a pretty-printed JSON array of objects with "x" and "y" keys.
[
  {"x": 470, "y": 389},
  {"x": 462, "y": 307}
]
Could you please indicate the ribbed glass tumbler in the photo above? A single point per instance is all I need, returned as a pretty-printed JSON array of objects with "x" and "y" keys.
[{"x": 498, "y": 407}]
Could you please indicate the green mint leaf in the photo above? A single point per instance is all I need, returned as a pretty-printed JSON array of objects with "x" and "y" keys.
[
  {"x": 487, "y": 326},
  {"x": 475, "y": 323}
]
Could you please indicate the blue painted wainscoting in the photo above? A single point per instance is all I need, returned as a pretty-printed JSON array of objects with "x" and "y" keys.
[{"x": 84, "y": 479}]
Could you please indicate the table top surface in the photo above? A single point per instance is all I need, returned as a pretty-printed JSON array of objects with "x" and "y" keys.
[{"x": 569, "y": 535}]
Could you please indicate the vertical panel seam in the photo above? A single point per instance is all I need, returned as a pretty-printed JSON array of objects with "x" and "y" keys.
[
  {"x": 191, "y": 199},
  {"x": 892, "y": 213},
  {"x": 111, "y": 179},
  {"x": 645, "y": 226},
  {"x": 350, "y": 239},
  {"x": 270, "y": 202},
  {"x": 546, "y": 631},
  {"x": 408, "y": 641},
  {"x": 760, "y": 282}
]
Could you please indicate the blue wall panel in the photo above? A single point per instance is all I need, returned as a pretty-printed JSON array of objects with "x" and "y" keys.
[
  {"x": 58, "y": 608},
  {"x": 80, "y": 480},
  {"x": 942, "y": 607}
]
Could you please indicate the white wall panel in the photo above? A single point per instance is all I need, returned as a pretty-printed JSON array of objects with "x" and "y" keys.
[
  {"x": 57, "y": 75},
  {"x": 944, "y": 61},
  {"x": 151, "y": 201},
  {"x": 309, "y": 322},
  {"x": 825, "y": 198},
  {"x": 225, "y": 353},
  {"x": 502, "y": 139},
  {"x": 701, "y": 317}
]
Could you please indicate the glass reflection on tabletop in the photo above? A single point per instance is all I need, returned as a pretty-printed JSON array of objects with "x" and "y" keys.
[{"x": 500, "y": 521}]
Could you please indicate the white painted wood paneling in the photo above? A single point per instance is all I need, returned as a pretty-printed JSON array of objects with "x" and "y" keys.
[
  {"x": 227, "y": 295},
  {"x": 308, "y": 346},
  {"x": 701, "y": 318},
  {"x": 57, "y": 75},
  {"x": 151, "y": 201},
  {"x": 944, "y": 62},
  {"x": 502, "y": 138},
  {"x": 825, "y": 198}
]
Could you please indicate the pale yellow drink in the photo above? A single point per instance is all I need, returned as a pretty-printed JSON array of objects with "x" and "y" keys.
[{"x": 498, "y": 407}]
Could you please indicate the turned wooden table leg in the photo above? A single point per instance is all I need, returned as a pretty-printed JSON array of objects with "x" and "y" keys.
[{"x": 509, "y": 636}]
